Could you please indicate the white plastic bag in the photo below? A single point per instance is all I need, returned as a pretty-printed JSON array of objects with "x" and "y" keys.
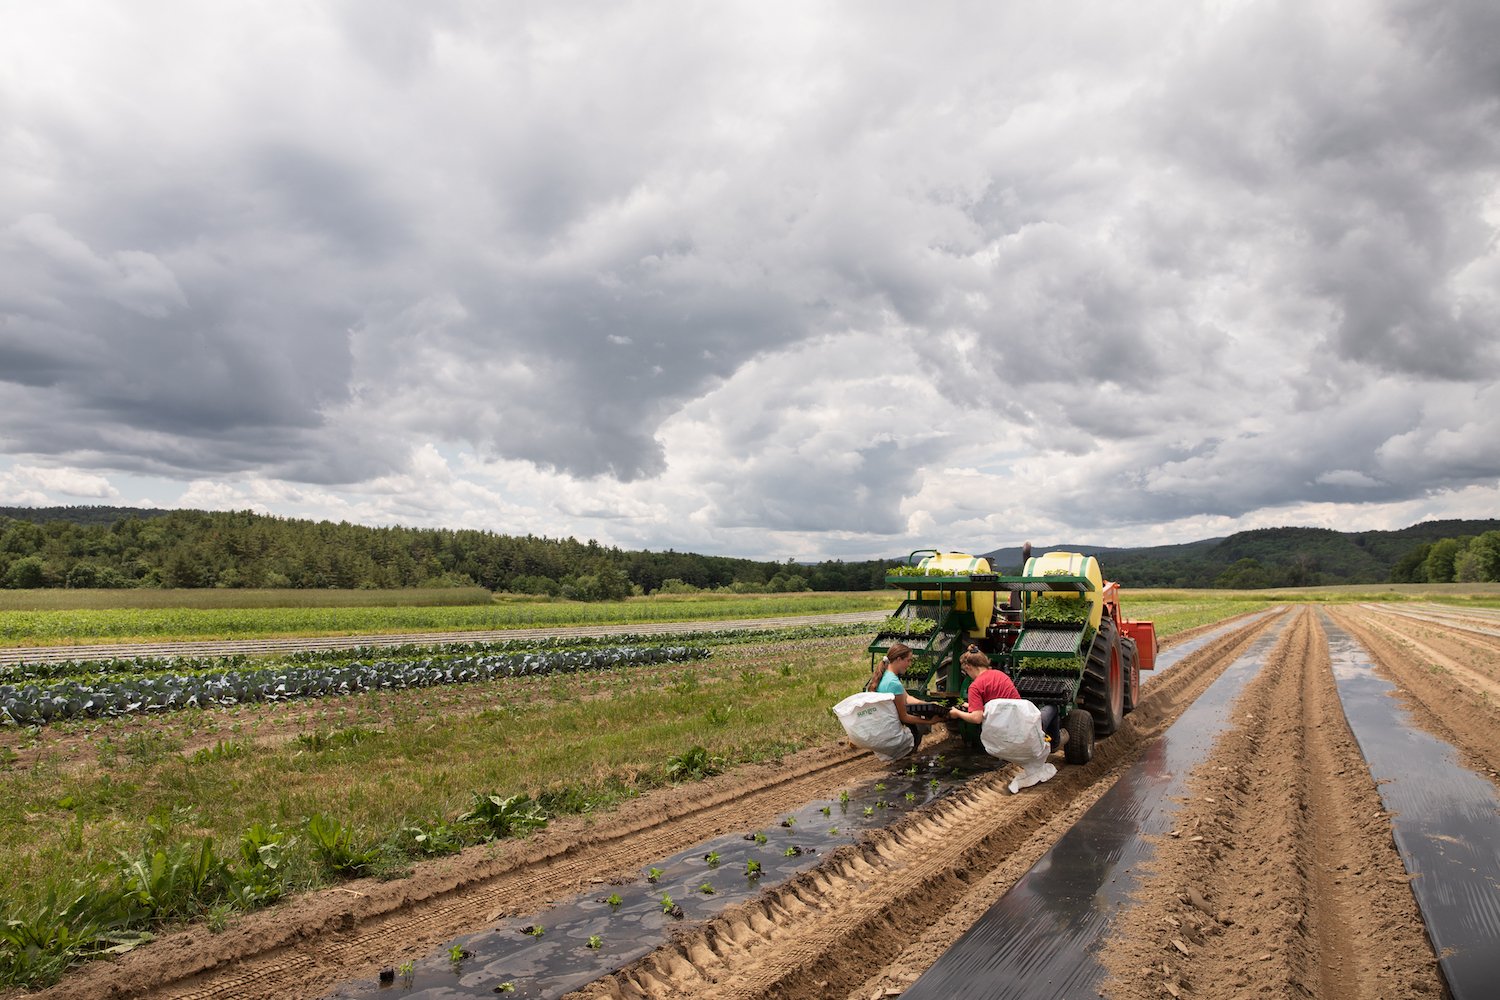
[
  {"x": 870, "y": 720},
  {"x": 1032, "y": 774},
  {"x": 1012, "y": 731}
]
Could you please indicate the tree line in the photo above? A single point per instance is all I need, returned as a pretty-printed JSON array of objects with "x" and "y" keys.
[
  {"x": 188, "y": 548},
  {"x": 1473, "y": 559}
]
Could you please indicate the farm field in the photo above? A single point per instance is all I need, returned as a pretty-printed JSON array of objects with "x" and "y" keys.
[
  {"x": 1285, "y": 837},
  {"x": 207, "y": 615}
]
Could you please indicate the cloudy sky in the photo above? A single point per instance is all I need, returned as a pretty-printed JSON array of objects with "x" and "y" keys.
[{"x": 781, "y": 280}]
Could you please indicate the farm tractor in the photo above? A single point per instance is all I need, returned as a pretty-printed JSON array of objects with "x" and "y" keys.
[{"x": 1056, "y": 629}]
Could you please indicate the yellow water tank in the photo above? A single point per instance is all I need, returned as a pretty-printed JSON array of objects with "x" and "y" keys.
[
  {"x": 981, "y": 602},
  {"x": 1071, "y": 564}
]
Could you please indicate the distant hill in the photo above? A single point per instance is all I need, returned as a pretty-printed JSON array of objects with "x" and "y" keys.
[
  {"x": 80, "y": 515},
  {"x": 1265, "y": 557}
]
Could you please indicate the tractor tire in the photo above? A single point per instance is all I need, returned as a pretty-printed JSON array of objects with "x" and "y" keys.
[
  {"x": 1103, "y": 689},
  {"x": 1080, "y": 746},
  {"x": 1130, "y": 660}
]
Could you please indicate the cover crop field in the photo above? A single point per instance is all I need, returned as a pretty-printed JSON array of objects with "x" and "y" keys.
[{"x": 233, "y": 830}]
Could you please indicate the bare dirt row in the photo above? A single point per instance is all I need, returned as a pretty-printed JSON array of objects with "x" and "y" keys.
[
  {"x": 1450, "y": 680},
  {"x": 907, "y": 892},
  {"x": 1280, "y": 880}
]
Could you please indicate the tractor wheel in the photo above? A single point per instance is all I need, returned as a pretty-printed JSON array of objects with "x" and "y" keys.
[
  {"x": 1130, "y": 660},
  {"x": 1080, "y": 746},
  {"x": 1103, "y": 690}
]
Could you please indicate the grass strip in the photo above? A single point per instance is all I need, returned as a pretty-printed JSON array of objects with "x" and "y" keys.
[{"x": 36, "y": 628}]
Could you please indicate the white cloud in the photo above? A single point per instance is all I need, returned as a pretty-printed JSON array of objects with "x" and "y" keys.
[{"x": 754, "y": 278}]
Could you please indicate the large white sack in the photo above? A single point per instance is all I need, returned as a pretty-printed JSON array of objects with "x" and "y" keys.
[
  {"x": 870, "y": 720},
  {"x": 1012, "y": 731}
]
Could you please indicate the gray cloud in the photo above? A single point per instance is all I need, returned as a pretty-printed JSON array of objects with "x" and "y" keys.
[{"x": 1206, "y": 263}]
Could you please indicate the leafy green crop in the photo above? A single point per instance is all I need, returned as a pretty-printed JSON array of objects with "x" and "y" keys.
[
  {"x": 898, "y": 625},
  {"x": 1053, "y": 610},
  {"x": 504, "y": 817},
  {"x": 31, "y": 704}
]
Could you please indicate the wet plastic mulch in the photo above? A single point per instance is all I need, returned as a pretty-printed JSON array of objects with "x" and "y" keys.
[
  {"x": 1445, "y": 820},
  {"x": 1169, "y": 658},
  {"x": 553, "y": 951},
  {"x": 1042, "y": 937}
]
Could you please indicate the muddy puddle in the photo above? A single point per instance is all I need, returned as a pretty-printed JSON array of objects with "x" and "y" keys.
[{"x": 553, "y": 951}]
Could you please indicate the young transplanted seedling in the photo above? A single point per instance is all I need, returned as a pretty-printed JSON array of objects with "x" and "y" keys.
[
  {"x": 595, "y": 942},
  {"x": 652, "y": 874}
]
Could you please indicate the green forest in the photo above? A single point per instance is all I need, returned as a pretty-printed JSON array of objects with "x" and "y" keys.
[
  {"x": 125, "y": 547},
  {"x": 115, "y": 547},
  {"x": 1430, "y": 552}
]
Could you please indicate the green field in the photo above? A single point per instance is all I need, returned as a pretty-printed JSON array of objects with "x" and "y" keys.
[
  {"x": 62, "y": 626},
  {"x": 397, "y": 768}
]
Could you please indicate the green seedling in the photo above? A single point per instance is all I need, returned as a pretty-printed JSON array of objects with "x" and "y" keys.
[
  {"x": 833, "y": 831},
  {"x": 595, "y": 942},
  {"x": 652, "y": 874},
  {"x": 911, "y": 796},
  {"x": 506, "y": 987},
  {"x": 752, "y": 868},
  {"x": 712, "y": 857},
  {"x": 933, "y": 783},
  {"x": 614, "y": 900},
  {"x": 844, "y": 797},
  {"x": 869, "y": 810},
  {"x": 880, "y": 786},
  {"x": 881, "y": 804},
  {"x": 666, "y": 903},
  {"x": 408, "y": 971},
  {"x": 789, "y": 822},
  {"x": 792, "y": 852},
  {"x": 707, "y": 888},
  {"x": 760, "y": 838},
  {"x": 535, "y": 930},
  {"x": 827, "y": 811},
  {"x": 911, "y": 772}
]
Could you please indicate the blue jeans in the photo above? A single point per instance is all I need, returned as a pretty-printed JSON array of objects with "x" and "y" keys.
[{"x": 1051, "y": 725}]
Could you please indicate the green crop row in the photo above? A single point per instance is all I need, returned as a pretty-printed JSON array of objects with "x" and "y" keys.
[
  {"x": 45, "y": 627},
  {"x": 35, "y": 704}
]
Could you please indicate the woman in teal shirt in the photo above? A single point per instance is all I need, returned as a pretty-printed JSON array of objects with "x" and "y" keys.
[{"x": 897, "y": 660}]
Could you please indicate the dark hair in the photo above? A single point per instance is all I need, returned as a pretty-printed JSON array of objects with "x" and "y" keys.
[{"x": 974, "y": 658}]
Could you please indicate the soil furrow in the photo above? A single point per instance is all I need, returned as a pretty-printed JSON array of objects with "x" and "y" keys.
[
  {"x": 1439, "y": 704},
  {"x": 881, "y": 894},
  {"x": 329, "y": 937},
  {"x": 1281, "y": 878}
]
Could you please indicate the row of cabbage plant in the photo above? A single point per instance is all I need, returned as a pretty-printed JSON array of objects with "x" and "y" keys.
[{"x": 35, "y": 704}]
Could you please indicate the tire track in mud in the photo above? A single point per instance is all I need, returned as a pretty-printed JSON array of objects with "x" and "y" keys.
[
  {"x": 1281, "y": 878},
  {"x": 1439, "y": 702},
  {"x": 349, "y": 931},
  {"x": 821, "y": 933}
]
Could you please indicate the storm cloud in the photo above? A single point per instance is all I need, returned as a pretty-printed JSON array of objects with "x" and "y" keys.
[{"x": 764, "y": 279}]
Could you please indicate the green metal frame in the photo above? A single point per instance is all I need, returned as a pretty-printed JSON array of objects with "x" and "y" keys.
[{"x": 941, "y": 648}]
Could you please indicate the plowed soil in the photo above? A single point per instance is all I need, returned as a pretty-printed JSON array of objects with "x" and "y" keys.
[{"x": 1281, "y": 879}]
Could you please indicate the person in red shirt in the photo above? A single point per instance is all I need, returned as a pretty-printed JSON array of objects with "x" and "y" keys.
[{"x": 986, "y": 684}]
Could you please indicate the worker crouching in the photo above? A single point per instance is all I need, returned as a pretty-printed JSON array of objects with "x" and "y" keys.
[{"x": 1011, "y": 728}]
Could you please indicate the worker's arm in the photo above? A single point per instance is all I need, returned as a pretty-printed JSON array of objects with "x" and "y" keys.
[
  {"x": 975, "y": 717},
  {"x": 906, "y": 717}
]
